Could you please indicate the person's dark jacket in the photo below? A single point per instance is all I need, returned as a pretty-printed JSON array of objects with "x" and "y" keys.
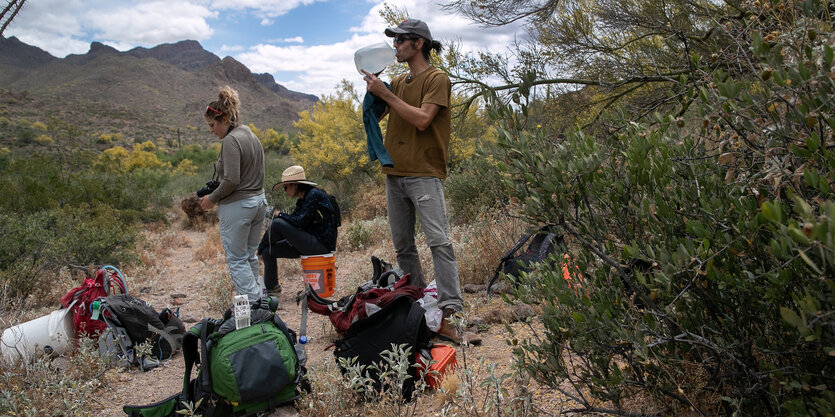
[{"x": 314, "y": 214}]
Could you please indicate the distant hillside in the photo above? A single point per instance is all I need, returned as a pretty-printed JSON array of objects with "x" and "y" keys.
[{"x": 141, "y": 92}]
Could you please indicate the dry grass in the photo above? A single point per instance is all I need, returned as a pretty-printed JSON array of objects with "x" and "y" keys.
[
  {"x": 368, "y": 204},
  {"x": 212, "y": 247},
  {"x": 481, "y": 245}
]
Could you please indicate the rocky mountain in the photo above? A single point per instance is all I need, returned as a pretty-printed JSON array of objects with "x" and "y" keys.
[{"x": 159, "y": 89}]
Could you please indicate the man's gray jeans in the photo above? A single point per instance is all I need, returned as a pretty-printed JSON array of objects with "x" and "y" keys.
[{"x": 411, "y": 198}]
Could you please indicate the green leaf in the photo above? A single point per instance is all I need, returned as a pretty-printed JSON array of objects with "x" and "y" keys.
[
  {"x": 809, "y": 261},
  {"x": 798, "y": 236},
  {"x": 813, "y": 142},
  {"x": 772, "y": 211},
  {"x": 790, "y": 317},
  {"x": 810, "y": 175}
]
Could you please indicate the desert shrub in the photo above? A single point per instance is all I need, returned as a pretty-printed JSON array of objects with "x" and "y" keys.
[
  {"x": 34, "y": 245},
  {"x": 39, "y": 126},
  {"x": 25, "y": 135},
  {"x": 475, "y": 187},
  {"x": 704, "y": 240},
  {"x": 104, "y": 139},
  {"x": 44, "y": 140},
  {"x": 42, "y": 388},
  {"x": 147, "y": 146},
  {"x": 332, "y": 142},
  {"x": 186, "y": 167},
  {"x": 357, "y": 235},
  {"x": 272, "y": 140},
  {"x": 5, "y": 157}
]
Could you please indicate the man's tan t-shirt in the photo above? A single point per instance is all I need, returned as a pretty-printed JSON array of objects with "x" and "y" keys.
[{"x": 416, "y": 153}]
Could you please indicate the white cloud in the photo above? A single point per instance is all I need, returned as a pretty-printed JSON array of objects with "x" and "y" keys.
[
  {"x": 152, "y": 23},
  {"x": 265, "y": 8},
  {"x": 64, "y": 27},
  {"x": 52, "y": 25},
  {"x": 317, "y": 69},
  {"x": 231, "y": 48}
]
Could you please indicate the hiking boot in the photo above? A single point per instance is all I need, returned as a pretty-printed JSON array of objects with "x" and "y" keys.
[
  {"x": 274, "y": 291},
  {"x": 448, "y": 332}
]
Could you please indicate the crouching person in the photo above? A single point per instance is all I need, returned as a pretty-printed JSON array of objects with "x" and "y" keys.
[{"x": 309, "y": 230}]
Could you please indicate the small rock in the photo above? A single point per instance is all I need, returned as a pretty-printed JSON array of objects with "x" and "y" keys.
[
  {"x": 185, "y": 318},
  {"x": 177, "y": 302},
  {"x": 60, "y": 364},
  {"x": 474, "y": 288},
  {"x": 144, "y": 290},
  {"x": 285, "y": 411},
  {"x": 178, "y": 295},
  {"x": 521, "y": 312},
  {"x": 477, "y": 322}
]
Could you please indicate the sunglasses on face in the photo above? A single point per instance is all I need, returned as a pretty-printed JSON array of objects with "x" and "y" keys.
[{"x": 403, "y": 38}]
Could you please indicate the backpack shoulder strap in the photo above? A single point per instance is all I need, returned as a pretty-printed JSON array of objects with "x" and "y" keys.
[
  {"x": 191, "y": 356},
  {"x": 205, "y": 343},
  {"x": 521, "y": 242}
]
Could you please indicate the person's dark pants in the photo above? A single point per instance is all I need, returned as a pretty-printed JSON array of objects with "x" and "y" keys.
[{"x": 283, "y": 240}]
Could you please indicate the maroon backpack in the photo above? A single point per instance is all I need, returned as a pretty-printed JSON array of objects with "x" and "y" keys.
[
  {"x": 350, "y": 309},
  {"x": 81, "y": 298}
]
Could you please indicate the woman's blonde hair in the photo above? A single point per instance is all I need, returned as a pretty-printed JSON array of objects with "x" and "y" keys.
[{"x": 227, "y": 105}]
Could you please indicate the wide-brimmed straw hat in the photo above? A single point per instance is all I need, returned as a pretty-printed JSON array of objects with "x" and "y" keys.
[{"x": 293, "y": 175}]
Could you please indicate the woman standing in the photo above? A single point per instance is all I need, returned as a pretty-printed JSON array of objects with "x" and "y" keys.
[
  {"x": 309, "y": 230},
  {"x": 240, "y": 196}
]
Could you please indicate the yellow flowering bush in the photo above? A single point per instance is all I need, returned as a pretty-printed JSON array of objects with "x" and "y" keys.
[
  {"x": 118, "y": 159},
  {"x": 146, "y": 146},
  {"x": 332, "y": 141},
  {"x": 186, "y": 167},
  {"x": 44, "y": 140}
]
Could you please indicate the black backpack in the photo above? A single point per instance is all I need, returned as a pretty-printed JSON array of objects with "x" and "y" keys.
[
  {"x": 401, "y": 322},
  {"x": 337, "y": 214},
  {"x": 542, "y": 245},
  {"x": 131, "y": 322}
]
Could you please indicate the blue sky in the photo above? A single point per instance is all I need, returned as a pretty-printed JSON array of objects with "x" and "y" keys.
[{"x": 307, "y": 45}]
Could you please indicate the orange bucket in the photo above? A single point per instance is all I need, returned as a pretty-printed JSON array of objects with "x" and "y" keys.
[{"x": 319, "y": 272}]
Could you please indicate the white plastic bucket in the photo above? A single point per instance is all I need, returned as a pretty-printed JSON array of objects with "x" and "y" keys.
[{"x": 52, "y": 334}]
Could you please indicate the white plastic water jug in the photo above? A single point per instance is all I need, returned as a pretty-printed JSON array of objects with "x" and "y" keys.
[
  {"x": 53, "y": 334},
  {"x": 374, "y": 58}
]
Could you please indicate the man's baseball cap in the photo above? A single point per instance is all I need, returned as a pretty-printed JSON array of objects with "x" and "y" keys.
[{"x": 410, "y": 26}]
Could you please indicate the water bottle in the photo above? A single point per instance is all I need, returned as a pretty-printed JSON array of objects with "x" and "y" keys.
[{"x": 374, "y": 58}]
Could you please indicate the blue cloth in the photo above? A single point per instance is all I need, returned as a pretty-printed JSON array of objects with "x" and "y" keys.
[{"x": 372, "y": 108}]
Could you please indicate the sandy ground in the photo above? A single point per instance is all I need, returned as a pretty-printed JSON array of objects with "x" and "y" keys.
[{"x": 178, "y": 270}]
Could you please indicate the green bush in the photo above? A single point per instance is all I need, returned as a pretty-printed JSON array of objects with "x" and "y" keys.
[
  {"x": 705, "y": 240},
  {"x": 358, "y": 235},
  {"x": 474, "y": 187},
  {"x": 34, "y": 246}
]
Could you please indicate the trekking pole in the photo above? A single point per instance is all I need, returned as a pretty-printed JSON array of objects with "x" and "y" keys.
[{"x": 301, "y": 353}]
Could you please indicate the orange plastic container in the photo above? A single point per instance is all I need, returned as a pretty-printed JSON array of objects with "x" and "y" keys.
[
  {"x": 319, "y": 272},
  {"x": 443, "y": 357}
]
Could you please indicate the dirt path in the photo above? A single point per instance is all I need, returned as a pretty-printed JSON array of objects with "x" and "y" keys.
[{"x": 178, "y": 269}]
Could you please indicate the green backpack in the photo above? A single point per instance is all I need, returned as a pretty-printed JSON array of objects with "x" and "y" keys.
[{"x": 248, "y": 370}]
